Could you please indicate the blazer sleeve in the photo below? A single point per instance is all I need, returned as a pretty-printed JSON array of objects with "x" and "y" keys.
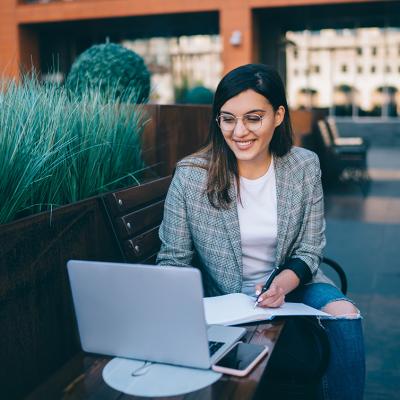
[
  {"x": 307, "y": 253},
  {"x": 176, "y": 241}
]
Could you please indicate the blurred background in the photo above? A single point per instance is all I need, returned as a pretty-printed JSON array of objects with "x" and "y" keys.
[{"x": 340, "y": 61}]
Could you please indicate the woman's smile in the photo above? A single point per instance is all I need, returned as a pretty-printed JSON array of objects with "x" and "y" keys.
[{"x": 244, "y": 144}]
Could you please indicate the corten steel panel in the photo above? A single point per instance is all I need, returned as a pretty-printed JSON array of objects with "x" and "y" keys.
[
  {"x": 175, "y": 132},
  {"x": 37, "y": 324}
]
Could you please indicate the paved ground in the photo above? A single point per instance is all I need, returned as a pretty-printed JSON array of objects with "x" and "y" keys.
[{"x": 363, "y": 233}]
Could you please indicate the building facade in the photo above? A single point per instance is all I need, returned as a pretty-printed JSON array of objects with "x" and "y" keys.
[
  {"x": 358, "y": 68},
  {"x": 216, "y": 36}
]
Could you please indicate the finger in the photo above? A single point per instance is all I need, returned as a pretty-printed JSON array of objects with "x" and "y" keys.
[
  {"x": 273, "y": 291},
  {"x": 258, "y": 288},
  {"x": 267, "y": 301},
  {"x": 277, "y": 302}
]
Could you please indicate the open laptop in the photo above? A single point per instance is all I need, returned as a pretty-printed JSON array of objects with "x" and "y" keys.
[{"x": 146, "y": 312}]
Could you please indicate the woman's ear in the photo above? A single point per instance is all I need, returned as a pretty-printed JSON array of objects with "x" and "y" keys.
[{"x": 279, "y": 115}]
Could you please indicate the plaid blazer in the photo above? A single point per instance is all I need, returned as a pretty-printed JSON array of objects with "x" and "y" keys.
[{"x": 195, "y": 233}]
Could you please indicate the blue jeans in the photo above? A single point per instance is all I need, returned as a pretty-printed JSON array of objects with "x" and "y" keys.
[{"x": 345, "y": 376}]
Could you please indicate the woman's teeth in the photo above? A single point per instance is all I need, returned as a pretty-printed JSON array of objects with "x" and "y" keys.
[{"x": 244, "y": 144}]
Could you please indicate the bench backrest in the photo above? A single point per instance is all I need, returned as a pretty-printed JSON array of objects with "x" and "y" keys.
[{"x": 135, "y": 215}]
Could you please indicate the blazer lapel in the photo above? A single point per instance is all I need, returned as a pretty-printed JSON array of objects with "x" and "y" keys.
[
  {"x": 283, "y": 194},
  {"x": 231, "y": 220}
]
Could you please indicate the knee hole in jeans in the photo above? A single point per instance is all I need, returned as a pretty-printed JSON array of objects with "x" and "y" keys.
[{"x": 342, "y": 309}]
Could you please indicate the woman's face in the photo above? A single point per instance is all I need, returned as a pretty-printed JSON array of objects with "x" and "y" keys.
[{"x": 249, "y": 140}]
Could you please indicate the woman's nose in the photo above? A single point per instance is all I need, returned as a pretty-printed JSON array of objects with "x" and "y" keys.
[{"x": 240, "y": 128}]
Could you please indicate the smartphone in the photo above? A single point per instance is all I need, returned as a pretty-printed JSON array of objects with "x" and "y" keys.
[{"x": 240, "y": 359}]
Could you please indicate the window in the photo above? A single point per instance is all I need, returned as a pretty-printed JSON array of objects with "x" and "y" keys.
[
  {"x": 345, "y": 63},
  {"x": 295, "y": 53}
]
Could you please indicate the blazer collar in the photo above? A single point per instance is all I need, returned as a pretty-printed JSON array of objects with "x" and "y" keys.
[{"x": 231, "y": 220}]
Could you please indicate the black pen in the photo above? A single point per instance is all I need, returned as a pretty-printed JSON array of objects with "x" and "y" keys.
[{"x": 271, "y": 277}]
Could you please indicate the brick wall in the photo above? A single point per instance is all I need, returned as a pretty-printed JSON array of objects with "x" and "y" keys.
[
  {"x": 9, "y": 47},
  {"x": 18, "y": 41}
]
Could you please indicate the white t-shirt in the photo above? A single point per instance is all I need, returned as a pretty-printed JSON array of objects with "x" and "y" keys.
[{"x": 258, "y": 228}]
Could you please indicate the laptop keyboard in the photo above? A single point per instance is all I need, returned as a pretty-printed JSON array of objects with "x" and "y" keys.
[{"x": 214, "y": 346}]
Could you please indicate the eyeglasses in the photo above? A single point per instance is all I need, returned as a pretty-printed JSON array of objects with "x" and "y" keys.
[{"x": 228, "y": 122}]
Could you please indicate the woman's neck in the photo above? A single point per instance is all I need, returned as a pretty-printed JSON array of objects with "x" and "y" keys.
[{"x": 253, "y": 169}]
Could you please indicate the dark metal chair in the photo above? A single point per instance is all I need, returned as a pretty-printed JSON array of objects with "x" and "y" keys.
[
  {"x": 338, "y": 140},
  {"x": 339, "y": 270},
  {"x": 344, "y": 162}
]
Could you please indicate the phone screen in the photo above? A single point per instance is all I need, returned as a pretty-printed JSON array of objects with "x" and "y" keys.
[{"x": 240, "y": 356}]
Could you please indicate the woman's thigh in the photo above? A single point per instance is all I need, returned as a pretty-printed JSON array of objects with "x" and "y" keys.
[{"x": 317, "y": 295}]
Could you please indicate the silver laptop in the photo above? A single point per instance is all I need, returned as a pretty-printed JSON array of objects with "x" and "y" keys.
[{"x": 146, "y": 312}]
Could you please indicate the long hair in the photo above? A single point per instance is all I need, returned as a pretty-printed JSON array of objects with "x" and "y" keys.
[{"x": 221, "y": 161}]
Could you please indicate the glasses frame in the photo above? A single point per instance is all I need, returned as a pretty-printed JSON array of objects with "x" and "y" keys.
[{"x": 236, "y": 121}]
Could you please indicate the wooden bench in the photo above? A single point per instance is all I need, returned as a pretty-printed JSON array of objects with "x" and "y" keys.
[{"x": 135, "y": 215}]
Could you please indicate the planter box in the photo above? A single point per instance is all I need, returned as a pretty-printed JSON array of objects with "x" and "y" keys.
[
  {"x": 37, "y": 323},
  {"x": 38, "y": 332}
]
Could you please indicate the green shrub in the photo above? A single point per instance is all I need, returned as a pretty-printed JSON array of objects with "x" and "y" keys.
[
  {"x": 55, "y": 149},
  {"x": 199, "y": 95},
  {"x": 112, "y": 69}
]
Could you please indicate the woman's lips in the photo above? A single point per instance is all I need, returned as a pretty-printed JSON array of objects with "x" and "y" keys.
[{"x": 244, "y": 145}]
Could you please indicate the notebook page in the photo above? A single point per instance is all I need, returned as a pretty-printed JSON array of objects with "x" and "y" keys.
[{"x": 237, "y": 308}]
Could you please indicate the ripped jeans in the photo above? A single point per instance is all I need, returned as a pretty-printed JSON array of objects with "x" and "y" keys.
[{"x": 345, "y": 377}]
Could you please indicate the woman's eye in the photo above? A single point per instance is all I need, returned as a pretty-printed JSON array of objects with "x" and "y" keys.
[
  {"x": 227, "y": 120},
  {"x": 252, "y": 118}
]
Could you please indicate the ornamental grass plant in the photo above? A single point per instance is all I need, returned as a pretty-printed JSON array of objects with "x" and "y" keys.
[{"x": 56, "y": 148}]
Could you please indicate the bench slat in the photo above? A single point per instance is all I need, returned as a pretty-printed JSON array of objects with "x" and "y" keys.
[
  {"x": 142, "y": 246},
  {"x": 123, "y": 201},
  {"x": 138, "y": 221}
]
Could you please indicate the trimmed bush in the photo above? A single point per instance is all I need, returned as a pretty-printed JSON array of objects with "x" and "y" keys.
[
  {"x": 112, "y": 69},
  {"x": 199, "y": 95}
]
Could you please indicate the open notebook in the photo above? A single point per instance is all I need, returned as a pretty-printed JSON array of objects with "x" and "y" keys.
[{"x": 238, "y": 308}]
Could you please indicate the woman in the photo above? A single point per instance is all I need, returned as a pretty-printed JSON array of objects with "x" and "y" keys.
[{"x": 249, "y": 201}]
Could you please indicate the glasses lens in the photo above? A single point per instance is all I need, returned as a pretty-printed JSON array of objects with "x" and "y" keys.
[
  {"x": 252, "y": 121},
  {"x": 226, "y": 122}
]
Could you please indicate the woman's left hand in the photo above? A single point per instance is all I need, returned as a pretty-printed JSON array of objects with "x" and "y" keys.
[
  {"x": 284, "y": 283},
  {"x": 273, "y": 297}
]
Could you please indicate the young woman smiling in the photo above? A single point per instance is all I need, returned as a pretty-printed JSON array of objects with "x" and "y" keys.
[{"x": 250, "y": 201}]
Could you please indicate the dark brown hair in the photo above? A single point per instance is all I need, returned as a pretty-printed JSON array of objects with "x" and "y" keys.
[{"x": 222, "y": 163}]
